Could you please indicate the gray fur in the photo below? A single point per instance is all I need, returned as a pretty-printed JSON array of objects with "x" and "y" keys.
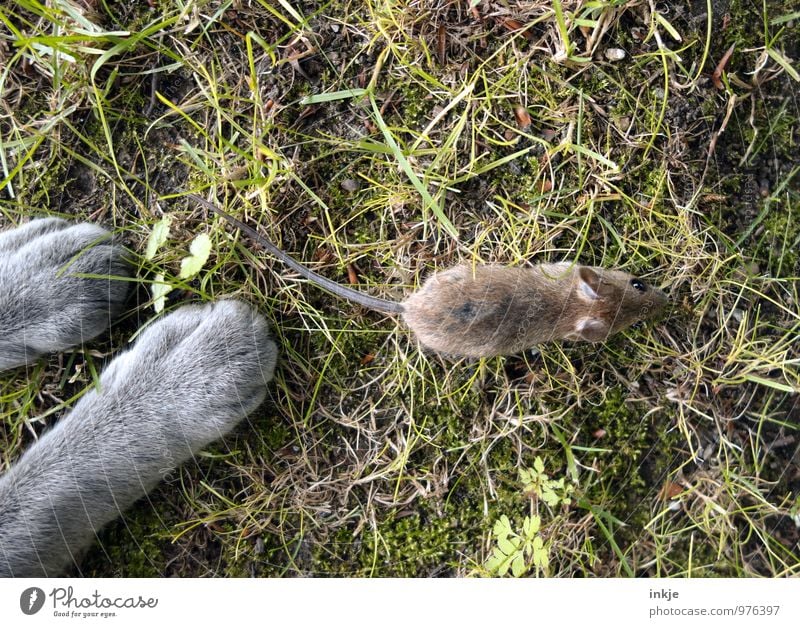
[
  {"x": 44, "y": 306},
  {"x": 189, "y": 378}
]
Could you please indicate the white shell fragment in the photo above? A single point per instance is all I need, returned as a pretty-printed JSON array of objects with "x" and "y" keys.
[{"x": 615, "y": 54}]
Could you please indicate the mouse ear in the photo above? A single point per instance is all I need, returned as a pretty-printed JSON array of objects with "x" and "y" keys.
[
  {"x": 591, "y": 329},
  {"x": 588, "y": 284}
]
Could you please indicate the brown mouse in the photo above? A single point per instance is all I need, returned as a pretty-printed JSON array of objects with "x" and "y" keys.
[{"x": 490, "y": 310}]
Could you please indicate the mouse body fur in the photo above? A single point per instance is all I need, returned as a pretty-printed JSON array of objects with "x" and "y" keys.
[{"x": 490, "y": 310}]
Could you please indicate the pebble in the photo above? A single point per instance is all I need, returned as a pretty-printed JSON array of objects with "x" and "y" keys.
[{"x": 350, "y": 185}]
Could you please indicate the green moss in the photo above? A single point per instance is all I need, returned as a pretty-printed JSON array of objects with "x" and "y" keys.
[
  {"x": 633, "y": 466},
  {"x": 132, "y": 546}
]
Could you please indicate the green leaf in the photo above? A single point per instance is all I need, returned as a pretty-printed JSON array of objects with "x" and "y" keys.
[
  {"x": 503, "y": 568},
  {"x": 785, "y": 18},
  {"x": 507, "y": 546},
  {"x": 550, "y": 497},
  {"x": 784, "y": 63},
  {"x": 518, "y": 565},
  {"x": 333, "y": 95},
  {"x": 498, "y": 563},
  {"x": 595, "y": 155},
  {"x": 776, "y": 385},
  {"x": 538, "y": 465},
  {"x": 668, "y": 27},
  {"x": 199, "y": 250},
  {"x": 159, "y": 289},
  {"x": 158, "y": 236},
  {"x": 502, "y": 527},
  {"x": 540, "y": 556}
]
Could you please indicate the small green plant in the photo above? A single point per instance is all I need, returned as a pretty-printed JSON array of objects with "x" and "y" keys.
[
  {"x": 518, "y": 552},
  {"x": 525, "y": 551},
  {"x": 537, "y": 483},
  {"x": 191, "y": 264}
]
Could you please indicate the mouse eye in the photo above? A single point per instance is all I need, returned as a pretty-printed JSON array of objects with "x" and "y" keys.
[{"x": 639, "y": 285}]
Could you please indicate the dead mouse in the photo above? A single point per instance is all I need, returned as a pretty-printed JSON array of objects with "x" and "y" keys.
[{"x": 489, "y": 310}]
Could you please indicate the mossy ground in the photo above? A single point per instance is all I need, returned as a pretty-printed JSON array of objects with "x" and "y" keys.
[{"x": 372, "y": 458}]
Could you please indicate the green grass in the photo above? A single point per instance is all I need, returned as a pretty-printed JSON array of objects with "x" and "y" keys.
[{"x": 387, "y": 139}]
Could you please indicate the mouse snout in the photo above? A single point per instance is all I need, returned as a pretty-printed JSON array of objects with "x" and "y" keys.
[{"x": 655, "y": 302}]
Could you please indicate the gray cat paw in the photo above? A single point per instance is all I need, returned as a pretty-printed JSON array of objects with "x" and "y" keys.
[
  {"x": 202, "y": 369},
  {"x": 188, "y": 379},
  {"x": 45, "y": 305}
]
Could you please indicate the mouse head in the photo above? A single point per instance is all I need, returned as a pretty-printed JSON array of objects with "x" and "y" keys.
[{"x": 611, "y": 301}]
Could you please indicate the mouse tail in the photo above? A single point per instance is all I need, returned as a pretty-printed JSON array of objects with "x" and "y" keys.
[{"x": 338, "y": 289}]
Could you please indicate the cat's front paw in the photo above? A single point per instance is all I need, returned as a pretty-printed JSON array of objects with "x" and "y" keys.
[
  {"x": 60, "y": 285},
  {"x": 193, "y": 374},
  {"x": 189, "y": 378}
]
